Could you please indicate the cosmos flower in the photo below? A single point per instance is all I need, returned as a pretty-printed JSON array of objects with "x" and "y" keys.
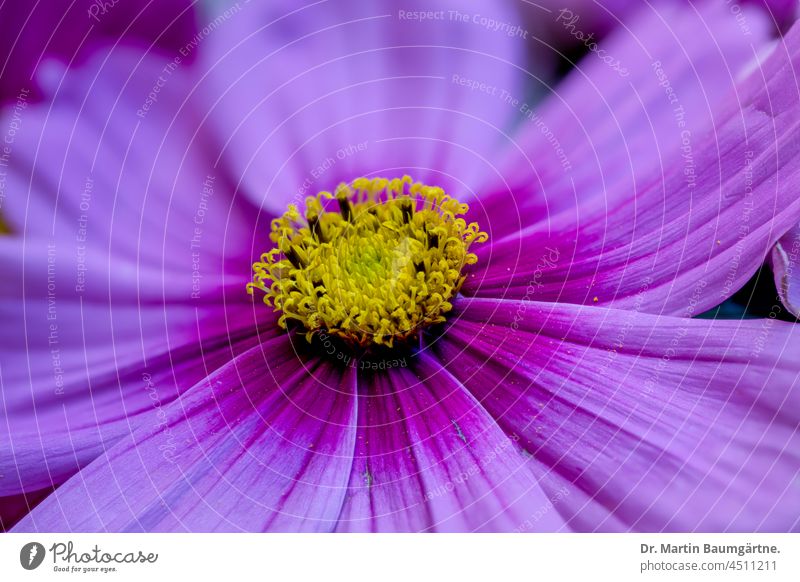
[{"x": 502, "y": 341}]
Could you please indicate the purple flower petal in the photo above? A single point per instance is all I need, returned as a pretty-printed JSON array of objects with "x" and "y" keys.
[
  {"x": 129, "y": 265},
  {"x": 14, "y": 507},
  {"x": 678, "y": 247},
  {"x": 654, "y": 423},
  {"x": 266, "y": 442},
  {"x": 79, "y": 368},
  {"x": 306, "y": 97},
  {"x": 52, "y": 430},
  {"x": 429, "y": 458},
  {"x": 615, "y": 125}
]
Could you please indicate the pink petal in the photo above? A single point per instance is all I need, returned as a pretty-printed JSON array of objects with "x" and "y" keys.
[
  {"x": 306, "y": 97},
  {"x": 429, "y": 458},
  {"x": 653, "y": 423},
  {"x": 264, "y": 443},
  {"x": 676, "y": 247}
]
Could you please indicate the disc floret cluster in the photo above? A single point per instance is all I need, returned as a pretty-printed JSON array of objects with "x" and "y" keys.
[{"x": 372, "y": 263}]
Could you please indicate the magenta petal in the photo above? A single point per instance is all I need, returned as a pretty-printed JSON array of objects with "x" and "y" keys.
[
  {"x": 677, "y": 247},
  {"x": 429, "y": 458},
  {"x": 57, "y": 337},
  {"x": 79, "y": 369},
  {"x": 102, "y": 167},
  {"x": 264, "y": 443},
  {"x": 654, "y": 423},
  {"x": 122, "y": 264},
  {"x": 307, "y": 96},
  {"x": 50, "y": 432},
  {"x": 614, "y": 126}
]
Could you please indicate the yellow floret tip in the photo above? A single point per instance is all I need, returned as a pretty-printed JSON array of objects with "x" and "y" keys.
[{"x": 372, "y": 263}]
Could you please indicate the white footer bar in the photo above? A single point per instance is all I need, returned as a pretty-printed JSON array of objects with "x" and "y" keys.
[{"x": 390, "y": 557}]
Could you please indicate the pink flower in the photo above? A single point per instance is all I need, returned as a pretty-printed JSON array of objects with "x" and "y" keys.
[{"x": 568, "y": 389}]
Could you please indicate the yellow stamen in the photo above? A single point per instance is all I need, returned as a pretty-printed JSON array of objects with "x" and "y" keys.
[{"x": 372, "y": 263}]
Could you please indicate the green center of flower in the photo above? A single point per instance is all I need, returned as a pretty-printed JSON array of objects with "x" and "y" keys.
[{"x": 381, "y": 266}]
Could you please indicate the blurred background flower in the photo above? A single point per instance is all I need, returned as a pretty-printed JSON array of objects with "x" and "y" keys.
[{"x": 35, "y": 35}]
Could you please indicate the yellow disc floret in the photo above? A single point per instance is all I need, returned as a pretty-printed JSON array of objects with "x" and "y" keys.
[{"x": 372, "y": 263}]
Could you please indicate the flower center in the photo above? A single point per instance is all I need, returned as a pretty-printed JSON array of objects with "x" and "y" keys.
[{"x": 374, "y": 267}]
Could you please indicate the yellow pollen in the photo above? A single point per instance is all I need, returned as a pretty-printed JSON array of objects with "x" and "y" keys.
[{"x": 372, "y": 263}]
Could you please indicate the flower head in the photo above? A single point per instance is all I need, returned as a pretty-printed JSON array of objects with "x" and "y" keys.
[
  {"x": 385, "y": 264},
  {"x": 509, "y": 347}
]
